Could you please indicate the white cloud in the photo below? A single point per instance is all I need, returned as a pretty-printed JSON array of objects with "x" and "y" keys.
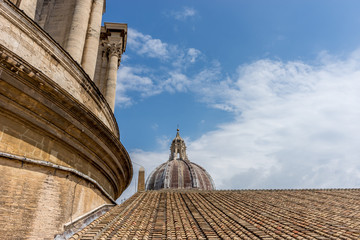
[
  {"x": 183, "y": 14},
  {"x": 296, "y": 125},
  {"x": 146, "y": 45},
  {"x": 141, "y": 81},
  {"x": 133, "y": 79},
  {"x": 193, "y": 54},
  {"x": 176, "y": 82}
]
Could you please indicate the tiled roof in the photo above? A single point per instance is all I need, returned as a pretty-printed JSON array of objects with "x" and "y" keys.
[{"x": 239, "y": 214}]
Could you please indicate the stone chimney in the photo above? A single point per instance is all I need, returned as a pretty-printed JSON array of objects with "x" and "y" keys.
[{"x": 141, "y": 180}]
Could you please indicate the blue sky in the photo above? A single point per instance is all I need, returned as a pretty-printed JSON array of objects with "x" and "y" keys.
[{"x": 266, "y": 93}]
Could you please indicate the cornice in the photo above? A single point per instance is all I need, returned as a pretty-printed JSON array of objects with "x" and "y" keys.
[
  {"x": 60, "y": 55},
  {"x": 66, "y": 105}
]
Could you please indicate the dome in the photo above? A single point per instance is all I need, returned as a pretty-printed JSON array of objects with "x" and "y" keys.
[{"x": 178, "y": 172}]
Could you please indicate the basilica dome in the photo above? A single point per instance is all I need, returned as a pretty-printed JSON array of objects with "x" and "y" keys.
[{"x": 178, "y": 172}]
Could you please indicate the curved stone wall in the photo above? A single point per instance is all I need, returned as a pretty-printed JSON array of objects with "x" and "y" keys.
[
  {"x": 54, "y": 115},
  {"x": 36, "y": 201},
  {"x": 24, "y": 37}
]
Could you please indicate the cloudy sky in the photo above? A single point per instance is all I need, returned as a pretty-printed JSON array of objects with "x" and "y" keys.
[{"x": 266, "y": 93}]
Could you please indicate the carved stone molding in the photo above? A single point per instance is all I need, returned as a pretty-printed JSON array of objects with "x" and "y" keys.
[
  {"x": 66, "y": 70},
  {"x": 60, "y": 116},
  {"x": 114, "y": 49}
]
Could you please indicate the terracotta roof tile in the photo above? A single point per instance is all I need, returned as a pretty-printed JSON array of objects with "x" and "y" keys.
[{"x": 241, "y": 214}]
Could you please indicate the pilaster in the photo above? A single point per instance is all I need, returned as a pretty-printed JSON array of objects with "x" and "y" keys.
[
  {"x": 114, "y": 62},
  {"x": 78, "y": 30},
  {"x": 112, "y": 44},
  {"x": 92, "y": 39}
]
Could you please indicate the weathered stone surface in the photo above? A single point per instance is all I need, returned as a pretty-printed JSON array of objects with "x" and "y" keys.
[
  {"x": 36, "y": 200},
  {"x": 29, "y": 7},
  {"x": 92, "y": 38},
  {"x": 24, "y": 38},
  {"x": 55, "y": 18},
  {"x": 62, "y": 131},
  {"x": 75, "y": 40},
  {"x": 60, "y": 153}
]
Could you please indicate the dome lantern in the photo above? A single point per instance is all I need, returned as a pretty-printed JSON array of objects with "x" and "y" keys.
[{"x": 178, "y": 148}]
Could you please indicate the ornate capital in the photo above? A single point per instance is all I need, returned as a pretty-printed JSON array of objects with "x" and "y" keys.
[{"x": 114, "y": 49}]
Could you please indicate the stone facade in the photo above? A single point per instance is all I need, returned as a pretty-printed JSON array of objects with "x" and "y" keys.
[
  {"x": 76, "y": 26},
  {"x": 60, "y": 153}
]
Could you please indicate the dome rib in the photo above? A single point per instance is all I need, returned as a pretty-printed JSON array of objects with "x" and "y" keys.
[{"x": 192, "y": 175}]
